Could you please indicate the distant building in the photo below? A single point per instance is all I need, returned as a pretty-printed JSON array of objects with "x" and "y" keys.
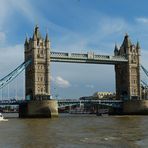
[
  {"x": 104, "y": 95},
  {"x": 100, "y": 95}
]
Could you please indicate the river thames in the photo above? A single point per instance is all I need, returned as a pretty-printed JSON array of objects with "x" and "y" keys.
[{"x": 75, "y": 131}]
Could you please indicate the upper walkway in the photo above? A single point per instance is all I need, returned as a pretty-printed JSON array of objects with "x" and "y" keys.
[{"x": 88, "y": 58}]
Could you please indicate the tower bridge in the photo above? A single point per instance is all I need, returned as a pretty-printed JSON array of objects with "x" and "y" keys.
[{"x": 126, "y": 60}]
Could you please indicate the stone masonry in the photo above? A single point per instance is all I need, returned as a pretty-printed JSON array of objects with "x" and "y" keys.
[
  {"x": 37, "y": 74},
  {"x": 128, "y": 74}
]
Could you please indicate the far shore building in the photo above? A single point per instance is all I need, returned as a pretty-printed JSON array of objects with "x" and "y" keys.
[
  {"x": 100, "y": 95},
  {"x": 104, "y": 95}
]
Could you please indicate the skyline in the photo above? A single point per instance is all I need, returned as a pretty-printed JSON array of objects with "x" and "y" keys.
[{"x": 73, "y": 26}]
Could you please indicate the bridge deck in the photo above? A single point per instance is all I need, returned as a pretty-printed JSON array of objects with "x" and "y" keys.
[
  {"x": 85, "y": 101},
  {"x": 69, "y": 101},
  {"x": 89, "y": 58}
]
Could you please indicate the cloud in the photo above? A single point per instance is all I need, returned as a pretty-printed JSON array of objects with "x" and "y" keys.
[
  {"x": 89, "y": 86},
  {"x": 72, "y": 40},
  {"x": 2, "y": 37},
  {"x": 99, "y": 38},
  {"x": 144, "y": 59},
  {"x": 143, "y": 20},
  {"x": 25, "y": 8},
  {"x": 60, "y": 82},
  {"x": 11, "y": 57},
  {"x": 4, "y": 12},
  {"x": 111, "y": 25}
]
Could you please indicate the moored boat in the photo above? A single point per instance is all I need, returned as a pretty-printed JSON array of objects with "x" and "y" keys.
[
  {"x": 103, "y": 112},
  {"x": 2, "y": 118}
]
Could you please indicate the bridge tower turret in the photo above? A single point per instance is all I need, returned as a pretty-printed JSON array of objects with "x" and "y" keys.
[
  {"x": 128, "y": 74},
  {"x": 37, "y": 76},
  {"x": 116, "y": 50}
]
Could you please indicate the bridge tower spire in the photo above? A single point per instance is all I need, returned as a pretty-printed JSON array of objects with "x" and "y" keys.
[
  {"x": 128, "y": 74},
  {"x": 116, "y": 50}
]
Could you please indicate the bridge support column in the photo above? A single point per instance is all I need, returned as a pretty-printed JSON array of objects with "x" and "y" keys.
[
  {"x": 128, "y": 74},
  {"x": 37, "y": 79},
  {"x": 38, "y": 109},
  {"x": 135, "y": 107}
]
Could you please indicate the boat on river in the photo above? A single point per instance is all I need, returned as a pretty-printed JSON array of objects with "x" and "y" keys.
[
  {"x": 103, "y": 112},
  {"x": 2, "y": 118}
]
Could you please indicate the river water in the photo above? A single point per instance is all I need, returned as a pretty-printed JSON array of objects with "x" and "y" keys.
[{"x": 75, "y": 131}]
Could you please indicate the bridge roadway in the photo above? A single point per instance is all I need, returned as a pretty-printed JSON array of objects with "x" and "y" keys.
[
  {"x": 70, "y": 102},
  {"x": 88, "y": 58}
]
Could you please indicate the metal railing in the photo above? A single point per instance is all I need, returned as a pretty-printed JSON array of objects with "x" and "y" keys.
[{"x": 89, "y": 57}]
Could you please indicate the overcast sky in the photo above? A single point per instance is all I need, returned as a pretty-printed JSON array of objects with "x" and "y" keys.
[{"x": 73, "y": 26}]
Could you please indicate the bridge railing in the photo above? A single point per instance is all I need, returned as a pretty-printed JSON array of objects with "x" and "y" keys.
[
  {"x": 85, "y": 56},
  {"x": 99, "y": 100}
]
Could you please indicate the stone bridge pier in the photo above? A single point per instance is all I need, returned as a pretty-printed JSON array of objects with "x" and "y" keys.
[
  {"x": 37, "y": 75},
  {"x": 37, "y": 79}
]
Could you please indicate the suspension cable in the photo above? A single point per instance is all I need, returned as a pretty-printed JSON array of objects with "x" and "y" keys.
[
  {"x": 7, "y": 79},
  {"x": 8, "y": 91},
  {"x": 16, "y": 97}
]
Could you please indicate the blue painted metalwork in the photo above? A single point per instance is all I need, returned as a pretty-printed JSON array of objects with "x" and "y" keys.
[
  {"x": 144, "y": 83},
  {"x": 71, "y": 102},
  {"x": 145, "y": 71},
  {"x": 89, "y": 58},
  {"x": 7, "y": 79}
]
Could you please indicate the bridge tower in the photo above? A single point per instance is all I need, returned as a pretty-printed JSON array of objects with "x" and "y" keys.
[
  {"x": 37, "y": 75},
  {"x": 128, "y": 74},
  {"x": 37, "y": 79}
]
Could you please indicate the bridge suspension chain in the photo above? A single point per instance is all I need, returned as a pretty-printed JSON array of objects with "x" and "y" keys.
[
  {"x": 7, "y": 79},
  {"x": 146, "y": 73},
  {"x": 144, "y": 83}
]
